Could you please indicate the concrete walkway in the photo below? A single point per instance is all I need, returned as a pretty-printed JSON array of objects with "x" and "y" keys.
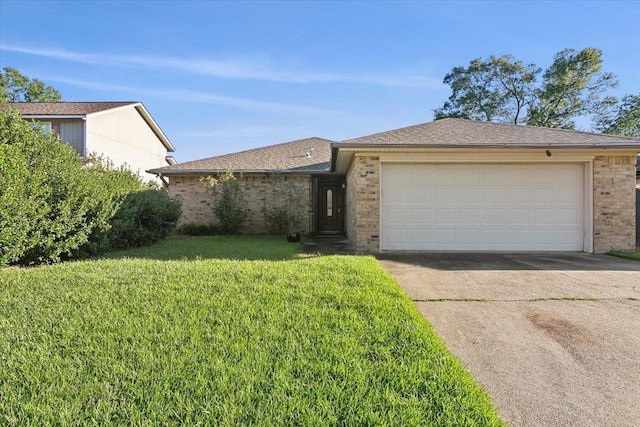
[
  {"x": 553, "y": 338},
  {"x": 327, "y": 245}
]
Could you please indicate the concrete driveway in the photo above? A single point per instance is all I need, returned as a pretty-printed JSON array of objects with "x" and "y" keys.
[{"x": 553, "y": 338}]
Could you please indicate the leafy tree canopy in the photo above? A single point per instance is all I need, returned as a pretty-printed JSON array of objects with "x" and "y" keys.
[
  {"x": 504, "y": 89},
  {"x": 621, "y": 119},
  {"x": 17, "y": 87}
]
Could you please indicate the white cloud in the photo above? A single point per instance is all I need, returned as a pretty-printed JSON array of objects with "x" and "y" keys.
[
  {"x": 185, "y": 95},
  {"x": 250, "y": 68}
]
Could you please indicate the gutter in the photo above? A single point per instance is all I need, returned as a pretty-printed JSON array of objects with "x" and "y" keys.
[
  {"x": 169, "y": 172},
  {"x": 604, "y": 145}
]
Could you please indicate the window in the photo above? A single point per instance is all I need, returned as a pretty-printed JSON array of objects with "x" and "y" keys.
[
  {"x": 46, "y": 125},
  {"x": 329, "y": 203}
]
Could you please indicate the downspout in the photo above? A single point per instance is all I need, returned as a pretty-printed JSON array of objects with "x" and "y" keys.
[{"x": 164, "y": 181}]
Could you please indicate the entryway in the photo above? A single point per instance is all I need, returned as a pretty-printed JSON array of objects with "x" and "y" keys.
[{"x": 329, "y": 205}]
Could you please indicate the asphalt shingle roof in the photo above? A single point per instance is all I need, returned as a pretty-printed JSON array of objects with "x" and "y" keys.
[
  {"x": 64, "y": 108},
  {"x": 469, "y": 132},
  {"x": 311, "y": 154}
]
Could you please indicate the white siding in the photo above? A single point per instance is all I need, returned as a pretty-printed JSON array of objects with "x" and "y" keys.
[{"x": 124, "y": 137}]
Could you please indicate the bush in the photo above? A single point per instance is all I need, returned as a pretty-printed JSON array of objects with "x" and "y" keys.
[
  {"x": 142, "y": 215},
  {"x": 143, "y": 218},
  {"x": 193, "y": 229},
  {"x": 53, "y": 208},
  {"x": 281, "y": 209},
  {"x": 229, "y": 206},
  {"x": 48, "y": 205}
]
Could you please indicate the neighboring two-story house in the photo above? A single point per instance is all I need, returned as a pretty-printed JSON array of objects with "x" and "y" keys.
[{"x": 124, "y": 132}]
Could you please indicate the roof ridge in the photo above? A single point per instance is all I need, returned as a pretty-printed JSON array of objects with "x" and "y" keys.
[
  {"x": 525, "y": 126},
  {"x": 250, "y": 150},
  {"x": 452, "y": 121},
  {"x": 123, "y": 103}
]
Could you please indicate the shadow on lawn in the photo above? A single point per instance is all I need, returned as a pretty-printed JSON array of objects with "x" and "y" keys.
[{"x": 189, "y": 248}]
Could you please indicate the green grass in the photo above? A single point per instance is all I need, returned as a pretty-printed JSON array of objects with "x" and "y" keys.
[
  {"x": 244, "y": 247},
  {"x": 630, "y": 255},
  {"x": 299, "y": 341}
]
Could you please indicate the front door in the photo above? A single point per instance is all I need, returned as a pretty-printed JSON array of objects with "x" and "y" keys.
[{"x": 330, "y": 208}]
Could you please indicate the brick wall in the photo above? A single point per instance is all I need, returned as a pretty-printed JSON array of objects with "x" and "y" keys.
[
  {"x": 363, "y": 200},
  {"x": 614, "y": 208},
  {"x": 259, "y": 190}
]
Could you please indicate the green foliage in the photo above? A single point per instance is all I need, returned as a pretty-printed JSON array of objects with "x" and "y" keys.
[
  {"x": 320, "y": 341},
  {"x": 229, "y": 206},
  {"x": 193, "y": 229},
  {"x": 621, "y": 119},
  {"x": 140, "y": 213},
  {"x": 504, "y": 89},
  {"x": 53, "y": 208},
  {"x": 16, "y": 87},
  {"x": 47, "y": 202},
  {"x": 143, "y": 218},
  {"x": 571, "y": 87},
  {"x": 282, "y": 206},
  {"x": 496, "y": 89}
]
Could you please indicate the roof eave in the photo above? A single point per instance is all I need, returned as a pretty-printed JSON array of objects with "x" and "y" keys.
[
  {"x": 169, "y": 171},
  {"x": 53, "y": 116},
  {"x": 507, "y": 146}
]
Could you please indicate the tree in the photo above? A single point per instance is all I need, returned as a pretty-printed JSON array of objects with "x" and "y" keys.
[
  {"x": 621, "y": 119},
  {"x": 17, "y": 87},
  {"x": 504, "y": 89},
  {"x": 494, "y": 90},
  {"x": 571, "y": 87}
]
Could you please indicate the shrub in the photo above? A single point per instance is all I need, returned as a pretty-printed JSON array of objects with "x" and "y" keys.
[
  {"x": 229, "y": 206},
  {"x": 142, "y": 214},
  {"x": 281, "y": 208},
  {"x": 48, "y": 206},
  {"x": 143, "y": 218},
  {"x": 53, "y": 208},
  {"x": 193, "y": 229}
]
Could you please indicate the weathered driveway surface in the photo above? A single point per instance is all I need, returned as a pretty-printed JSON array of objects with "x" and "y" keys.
[{"x": 553, "y": 338}]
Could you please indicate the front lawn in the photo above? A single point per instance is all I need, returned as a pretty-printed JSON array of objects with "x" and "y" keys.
[{"x": 137, "y": 340}]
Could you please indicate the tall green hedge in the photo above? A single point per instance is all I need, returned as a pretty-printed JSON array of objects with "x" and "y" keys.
[{"x": 53, "y": 208}]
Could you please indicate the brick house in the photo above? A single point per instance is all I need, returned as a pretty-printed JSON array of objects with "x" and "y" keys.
[
  {"x": 124, "y": 132},
  {"x": 448, "y": 185}
]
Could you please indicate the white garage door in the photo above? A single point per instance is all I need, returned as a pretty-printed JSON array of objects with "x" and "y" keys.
[{"x": 482, "y": 207}]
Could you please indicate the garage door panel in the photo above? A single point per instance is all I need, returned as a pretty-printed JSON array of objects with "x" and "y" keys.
[
  {"x": 394, "y": 236},
  {"x": 444, "y": 216},
  {"x": 396, "y": 195},
  {"x": 482, "y": 207},
  {"x": 396, "y": 216},
  {"x": 493, "y": 237},
  {"x": 469, "y": 216},
  {"x": 517, "y": 216},
  {"x": 489, "y": 177},
  {"x": 444, "y": 194},
  {"x": 542, "y": 216},
  {"x": 470, "y": 195},
  {"x": 567, "y": 195},
  {"x": 468, "y": 237},
  {"x": 492, "y": 216},
  {"x": 420, "y": 216},
  {"x": 517, "y": 194}
]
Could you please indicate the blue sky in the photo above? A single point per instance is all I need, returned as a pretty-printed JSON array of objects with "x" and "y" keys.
[{"x": 220, "y": 77}]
